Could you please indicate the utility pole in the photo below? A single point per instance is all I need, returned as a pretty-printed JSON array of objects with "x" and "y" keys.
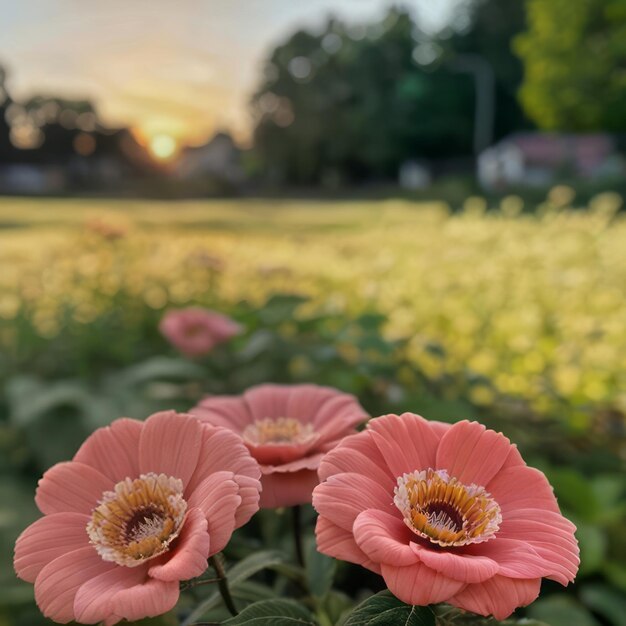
[{"x": 485, "y": 96}]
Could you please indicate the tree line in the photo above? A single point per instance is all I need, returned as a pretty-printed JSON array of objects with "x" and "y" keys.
[{"x": 351, "y": 104}]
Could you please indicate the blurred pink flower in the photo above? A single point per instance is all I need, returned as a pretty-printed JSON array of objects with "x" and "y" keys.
[
  {"x": 140, "y": 507},
  {"x": 445, "y": 514},
  {"x": 196, "y": 331},
  {"x": 288, "y": 429}
]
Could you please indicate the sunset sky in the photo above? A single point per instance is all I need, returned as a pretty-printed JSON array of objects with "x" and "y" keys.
[{"x": 181, "y": 69}]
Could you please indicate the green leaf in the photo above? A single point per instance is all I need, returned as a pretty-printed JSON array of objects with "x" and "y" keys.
[
  {"x": 251, "y": 591},
  {"x": 616, "y": 573},
  {"x": 384, "y": 609},
  {"x": 159, "y": 368},
  {"x": 273, "y": 613},
  {"x": 169, "y": 619},
  {"x": 574, "y": 492},
  {"x": 320, "y": 571},
  {"x": 31, "y": 399},
  {"x": 236, "y": 575},
  {"x": 593, "y": 546},
  {"x": 561, "y": 611},
  {"x": 279, "y": 308},
  {"x": 253, "y": 564},
  {"x": 605, "y": 601},
  {"x": 336, "y": 605}
]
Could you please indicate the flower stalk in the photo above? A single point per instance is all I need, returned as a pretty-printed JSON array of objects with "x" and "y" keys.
[
  {"x": 297, "y": 533},
  {"x": 222, "y": 583}
]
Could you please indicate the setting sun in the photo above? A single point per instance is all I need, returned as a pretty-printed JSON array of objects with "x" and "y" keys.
[{"x": 163, "y": 147}]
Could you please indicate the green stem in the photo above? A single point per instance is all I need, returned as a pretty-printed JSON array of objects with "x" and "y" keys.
[
  {"x": 184, "y": 586},
  {"x": 297, "y": 533},
  {"x": 222, "y": 583}
]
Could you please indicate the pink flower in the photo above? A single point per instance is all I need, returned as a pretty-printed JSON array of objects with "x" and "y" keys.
[
  {"x": 196, "y": 331},
  {"x": 288, "y": 429},
  {"x": 140, "y": 507},
  {"x": 444, "y": 513}
]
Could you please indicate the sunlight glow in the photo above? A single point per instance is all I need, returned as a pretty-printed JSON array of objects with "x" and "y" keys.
[{"x": 163, "y": 147}]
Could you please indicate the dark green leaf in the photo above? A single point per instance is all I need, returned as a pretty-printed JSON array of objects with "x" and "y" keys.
[
  {"x": 605, "y": 601},
  {"x": 561, "y": 611},
  {"x": 159, "y": 368},
  {"x": 237, "y": 574},
  {"x": 593, "y": 545},
  {"x": 273, "y": 613},
  {"x": 169, "y": 619},
  {"x": 320, "y": 571},
  {"x": 384, "y": 609}
]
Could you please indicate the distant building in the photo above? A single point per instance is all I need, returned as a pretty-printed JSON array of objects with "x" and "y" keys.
[
  {"x": 22, "y": 178},
  {"x": 414, "y": 176},
  {"x": 540, "y": 159},
  {"x": 219, "y": 159}
]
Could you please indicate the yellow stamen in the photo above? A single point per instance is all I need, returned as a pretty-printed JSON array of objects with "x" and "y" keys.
[
  {"x": 281, "y": 430},
  {"x": 138, "y": 520},
  {"x": 444, "y": 510}
]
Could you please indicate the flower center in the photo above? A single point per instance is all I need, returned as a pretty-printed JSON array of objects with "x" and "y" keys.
[
  {"x": 138, "y": 520},
  {"x": 444, "y": 510},
  {"x": 280, "y": 430}
]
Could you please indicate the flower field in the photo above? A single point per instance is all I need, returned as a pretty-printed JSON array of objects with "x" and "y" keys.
[
  {"x": 488, "y": 313},
  {"x": 535, "y": 307}
]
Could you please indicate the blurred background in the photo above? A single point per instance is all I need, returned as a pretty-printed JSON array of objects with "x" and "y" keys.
[{"x": 420, "y": 204}]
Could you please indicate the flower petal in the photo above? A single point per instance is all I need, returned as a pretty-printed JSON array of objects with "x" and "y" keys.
[
  {"x": 337, "y": 415},
  {"x": 384, "y": 538},
  {"x": 46, "y": 539},
  {"x": 522, "y": 487},
  {"x": 287, "y": 489},
  {"x": 281, "y": 454},
  {"x": 439, "y": 428},
  {"x": 471, "y": 453},
  {"x": 149, "y": 599},
  {"x": 222, "y": 450},
  {"x": 308, "y": 462},
  {"x": 418, "y": 584},
  {"x": 249, "y": 492},
  {"x": 464, "y": 567},
  {"x": 406, "y": 442},
  {"x": 189, "y": 557},
  {"x": 550, "y": 535},
  {"x": 267, "y": 401},
  {"x": 227, "y": 411},
  {"x": 93, "y": 601},
  {"x": 124, "y": 592},
  {"x": 304, "y": 402},
  {"x": 359, "y": 454},
  {"x": 218, "y": 498},
  {"x": 57, "y": 583},
  {"x": 499, "y": 596},
  {"x": 71, "y": 486},
  {"x": 170, "y": 444},
  {"x": 343, "y": 497},
  {"x": 339, "y": 543},
  {"x": 114, "y": 450},
  {"x": 515, "y": 559}
]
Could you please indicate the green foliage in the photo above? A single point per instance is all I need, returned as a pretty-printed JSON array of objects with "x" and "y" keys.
[
  {"x": 320, "y": 571},
  {"x": 421, "y": 345},
  {"x": 273, "y": 613},
  {"x": 335, "y": 107},
  {"x": 561, "y": 611},
  {"x": 571, "y": 53},
  {"x": 239, "y": 573},
  {"x": 383, "y": 609}
]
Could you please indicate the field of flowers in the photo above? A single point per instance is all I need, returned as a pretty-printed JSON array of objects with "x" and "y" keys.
[{"x": 489, "y": 313}]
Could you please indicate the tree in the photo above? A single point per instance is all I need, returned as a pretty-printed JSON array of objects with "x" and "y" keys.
[
  {"x": 494, "y": 24},
  {"x": 574, "y": 54},
  {"x": 346, "y": 106}
]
